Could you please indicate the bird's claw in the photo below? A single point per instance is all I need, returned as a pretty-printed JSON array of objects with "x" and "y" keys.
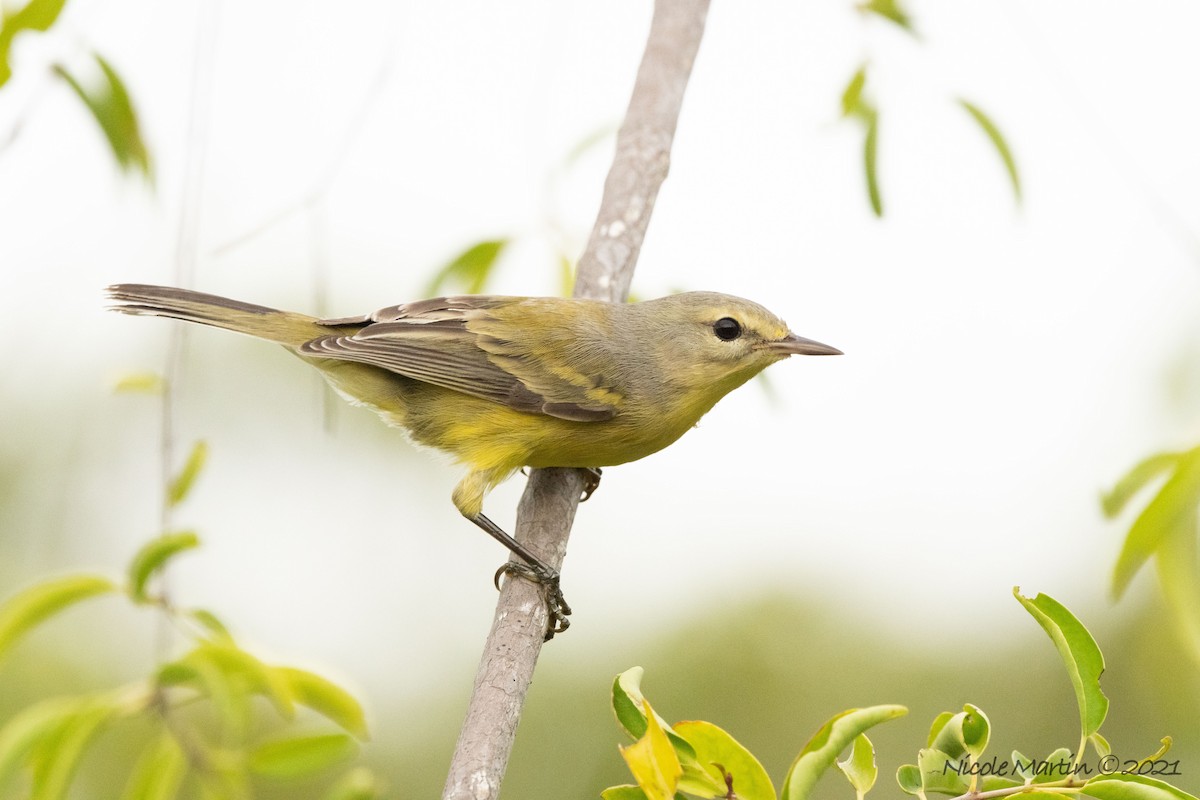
[
  {"x": 557, "y": 609},
  {"x": 591, "y": 481}
]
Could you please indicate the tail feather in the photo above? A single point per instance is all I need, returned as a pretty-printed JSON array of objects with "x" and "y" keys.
[{"x": 284, "y": 327}]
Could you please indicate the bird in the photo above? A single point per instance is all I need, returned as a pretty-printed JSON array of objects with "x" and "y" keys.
[{"x": 503, "y": 383}]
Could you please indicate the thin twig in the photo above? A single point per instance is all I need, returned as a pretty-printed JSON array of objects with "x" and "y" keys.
[{"x": 548, "y": 506}]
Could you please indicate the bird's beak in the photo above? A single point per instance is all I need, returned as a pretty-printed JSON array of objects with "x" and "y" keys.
[{"x": 799, "y": 346}]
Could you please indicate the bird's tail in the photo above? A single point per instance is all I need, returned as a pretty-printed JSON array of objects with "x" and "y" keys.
[{"x": 284, "y": 327}]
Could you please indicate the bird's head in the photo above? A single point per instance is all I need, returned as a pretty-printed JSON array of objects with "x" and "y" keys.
[{"x": 715, "y": 339}]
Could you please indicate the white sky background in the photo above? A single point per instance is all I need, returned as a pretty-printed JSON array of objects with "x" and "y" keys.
[{"x": 1002, "y": 365}]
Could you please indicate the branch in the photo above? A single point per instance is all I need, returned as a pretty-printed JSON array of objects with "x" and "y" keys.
[{"x": 548, "y": 506}]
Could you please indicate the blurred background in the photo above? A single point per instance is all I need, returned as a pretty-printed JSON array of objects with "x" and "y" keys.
[{"x": 847, "y": 532}]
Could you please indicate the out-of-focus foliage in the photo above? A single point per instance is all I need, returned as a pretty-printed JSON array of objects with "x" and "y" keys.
[
  {"x": 1165, "y": 529},
  {"x": 467, "y": 272},
  {"x": 859, "y": 108},
  {"x": 36, "y": 15},
  {"x": 105, "y": 96},
  {"x": 698, "y": 759},
  {"x": 111, "y": 107},
  {"x": 207, "y": 735}
]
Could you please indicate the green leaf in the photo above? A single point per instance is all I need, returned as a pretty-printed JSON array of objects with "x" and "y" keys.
[
  {"x": 34, "y": 605},
  {"x": 326, "y": 698},
  {"x": 210, "y": 622},
  {"x": 1022, "y": 767},
  {"x": 890, "y": 10},
  {"x": 113, "y": 111},
  {"x": 997, "y": 139},
  {"x": 1174, "y": 504},
  {"x": 159, "y": 772},
  {"x": 909, "y": 778},
  {"x": 153, "y": 555},
  {"x": 36, "y": 15},
  {"x": 357, "y": 784},
  {"x": 1080, "y": 655},
  {"x": 181, "y": 485},
  {"x": 140, "y": 383},
  {"x": 860, "y": 767},
  {"x": 1119, "y": 786},
  {"x": 1178, "y": 562},
  {"x": 870, "y": 157},
  {"x": 852, "y": 95},
  {"x": 623, "y": 793},
  {"x": 1148, "y": 469},
  {"x": 628, "y": 702},
  {"x": 236, "y": 663},
  {"x": 60, "y": 753},
  {"x": 1054, "y": 767},
  {"x": 1101, "y": 744},
  {"x": 28, "y": 727},
  {"x": 302, "y": 757},
  {"x": 715, "y": 746},
  {"x": 939, "y": 722},
  {"x": 941, "y": 772},
  {"x": 830, "y": 740},
  {"x": 469, "y": 269}
]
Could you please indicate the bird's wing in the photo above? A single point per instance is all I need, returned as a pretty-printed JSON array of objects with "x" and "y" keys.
[{"x": 473, "y": 345}]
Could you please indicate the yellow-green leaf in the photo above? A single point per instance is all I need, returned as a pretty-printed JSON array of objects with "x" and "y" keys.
[
  {"x": 859, "y": 768},
  {"x": 652, "y": 760},
  {"x": 852, "y": 102},
  {"x": 181, "y": 485},
  {"x": 1174, "y": 504},
  {"x": 1178, "y": 562},
  {"x": 623, "y": 793},
  {"x": 357, "y": 784},
  {"x": 303, "y": 756},
  {"x": 36, "y": 15},
  {"x": 870, "y": 161},
  {"x": 31, "y": 606},
  {"x": 159, "y": 772},
  {"x": 140, "y": 383},
  {"x": 1146, "y": 470},
  {"x": 153, "y": 555},
  {"x": 28, "y": 727},
  {"x": 831, "y": 739},
  {"x": 992, "y": 131},
  {"x": 326, "y": 698},
  {"x": 1080, "y": 655},
  {"x": 889, "y": 10},
  {"x": 470, "y": 269},
  {"x": 1119, "y": 786},
  {"x": 60, "y": 754},
  {"x": 209, "y": 621},
  {"x": 714, "y": 746},
  {"x": 909, "y": 778},
  {"x": 112, "y": 108}
]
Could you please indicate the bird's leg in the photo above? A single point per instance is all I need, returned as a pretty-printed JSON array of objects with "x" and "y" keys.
[
  {"x": 591, "y": 482},
  {"x": 534, "y": 570}
]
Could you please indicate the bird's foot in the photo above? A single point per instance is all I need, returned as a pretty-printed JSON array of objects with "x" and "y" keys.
[
  {"x": 591, "y": 482},
  {"x": 557, "y": 609}
]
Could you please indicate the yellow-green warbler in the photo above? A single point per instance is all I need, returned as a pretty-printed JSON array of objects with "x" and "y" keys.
[{"x": 503, "y": 383}]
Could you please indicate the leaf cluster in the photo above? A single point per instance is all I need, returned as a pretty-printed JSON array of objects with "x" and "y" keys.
[{"x": 698, "y": 759}]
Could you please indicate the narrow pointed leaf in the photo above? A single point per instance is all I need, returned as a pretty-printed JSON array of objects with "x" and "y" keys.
[
  {"x": 60, "y": 755},
  {"x": 34, "y": 605},
  {"x": 1175, "y": 504},
  {"x": 852, "y": 102},
  {"x": 30, "y": 726},
  {"x": 470, "y": 269},
  {"x": 302, "y": 757},
  {"x": 1080, "y": 655},
  {"x": 36, "y": 15},
  {"x": 209, "y": 621},
  {"x": 1114, "y": 501},
  {"x": 326, "y": 698},
  {"x": 113, "y": 111},
  {"x": 992, "y": 131},
  {"x": 182, "y": 484},
  {"x": 831, "y": 739},
  {"x": 870, "y": 165},
  {"x": 890, "y": 10},
  {"x": 653, "y": 762},
  {"x": 159, "y": 772},
  {"x": 628, "y": 702},
  {"x": 1178, "y": 563},
  {"x": 153, "y": 555}
]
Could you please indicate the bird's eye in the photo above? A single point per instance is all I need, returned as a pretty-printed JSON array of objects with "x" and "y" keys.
[{"x": 727, "y": 329}]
